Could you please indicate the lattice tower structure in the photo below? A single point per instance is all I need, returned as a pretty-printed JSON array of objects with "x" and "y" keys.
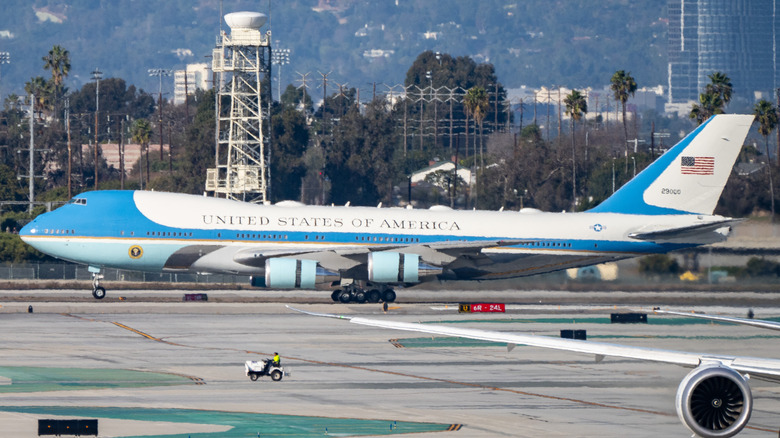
[{"x": 242, "y": 60}]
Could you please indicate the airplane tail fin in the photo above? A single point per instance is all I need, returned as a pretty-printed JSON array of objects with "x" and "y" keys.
[{"x": 689, "y": 178}]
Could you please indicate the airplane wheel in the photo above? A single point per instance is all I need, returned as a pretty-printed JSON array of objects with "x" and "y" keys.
[
  {"x": 276, "y": 375},
  {"x": 345, "y": 297},
  {"x": 99, "y": 293},
  {"x": 335, "y": 295},
  {"x": 388, "y": 296},
  {"x": 373, "y": 296},
  {"x": 360, "y": 296},
  {"x": 253, "y": 377}
]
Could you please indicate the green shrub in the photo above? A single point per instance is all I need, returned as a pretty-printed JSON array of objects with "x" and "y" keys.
[{"x": 658, "y": 264}]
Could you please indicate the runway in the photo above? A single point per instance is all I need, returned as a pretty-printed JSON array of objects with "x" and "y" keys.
[{"x": 394, "y": 382}]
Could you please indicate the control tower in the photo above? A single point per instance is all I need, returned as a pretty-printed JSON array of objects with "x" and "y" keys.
[{"x": 242, "y": 60}]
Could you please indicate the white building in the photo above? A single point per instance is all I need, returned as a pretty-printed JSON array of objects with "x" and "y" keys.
[{"x": 195, "y": 77}]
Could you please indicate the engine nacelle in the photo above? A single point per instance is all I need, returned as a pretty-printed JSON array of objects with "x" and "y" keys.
[
  {"x": 714, "y": 401},
  {"x": 283, "y": 273},
  {"x": 393, "y": 267}
]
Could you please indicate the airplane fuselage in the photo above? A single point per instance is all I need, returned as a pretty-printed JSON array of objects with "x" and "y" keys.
[{"x": 156, "y": 231}]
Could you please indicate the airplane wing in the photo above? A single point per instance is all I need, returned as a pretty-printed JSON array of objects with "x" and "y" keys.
[
  {"x": 771, "y": 325},
  {"x": 765, "y": 369},
  {"x": 344, "y": 257}
]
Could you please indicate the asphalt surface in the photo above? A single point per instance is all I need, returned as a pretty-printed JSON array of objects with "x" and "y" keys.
[{"x": 342, "y": 371}]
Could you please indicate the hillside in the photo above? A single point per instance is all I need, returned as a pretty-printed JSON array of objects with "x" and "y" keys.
[{"x": 532, "y": 42}]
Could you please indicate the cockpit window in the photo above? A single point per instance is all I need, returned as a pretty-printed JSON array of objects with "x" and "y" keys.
[{"x": 79, "y": 201}]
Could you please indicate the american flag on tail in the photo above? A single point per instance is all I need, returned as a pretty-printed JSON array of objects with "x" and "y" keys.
[{"x": 697, "y": 165}]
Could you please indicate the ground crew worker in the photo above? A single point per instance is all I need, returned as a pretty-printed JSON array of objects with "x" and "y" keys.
[{"x": 277, "y": 360}]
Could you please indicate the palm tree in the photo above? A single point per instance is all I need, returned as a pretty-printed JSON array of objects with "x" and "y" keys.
[
  {"x": 716, "y": 95},
  {"x": 141, "y": 133},
  {"x": 766, "y": 116},
  {"x": 720, "y": 84},
  {"x": 476, "y": 102},
  {"x": 41, "y": 90},
  {"x": 576, "y": 107},
  {"x": 58, "y": 61},
  {"x": 623, "y": 86}
]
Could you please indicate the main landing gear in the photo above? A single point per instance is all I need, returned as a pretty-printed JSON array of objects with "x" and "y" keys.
[
  {"x": 98, "y": 291},
  {"x": 354, "y": 293}
]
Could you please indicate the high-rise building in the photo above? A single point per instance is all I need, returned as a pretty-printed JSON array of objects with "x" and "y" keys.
[
  {"x": 734, "y": 37},
  {"x": 194, "y": 77}
]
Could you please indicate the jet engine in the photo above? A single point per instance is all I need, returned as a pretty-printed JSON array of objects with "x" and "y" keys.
[
  {"x": 284, "y": 273},
  {"x": 393, "y": 267},
  {"x": 714, "y": 401}
]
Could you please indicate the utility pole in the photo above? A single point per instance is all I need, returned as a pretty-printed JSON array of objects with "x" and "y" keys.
[
  {"x": 122, "y": 153},
  {"x": 31, "y": 170},
  {"x": 302, "y": 80},
  {"x": 96, "y": 75},
  {"x": 324, "y": 95},
  {"x": 70, "y": 148},
  {"x": 777, "y": 151},
  {"x": 160, "y": 72}
]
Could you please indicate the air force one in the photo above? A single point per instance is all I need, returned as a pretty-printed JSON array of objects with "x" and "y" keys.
[
  {"x": 668, "y": 206},
  {"x": 713, "y": 401}
]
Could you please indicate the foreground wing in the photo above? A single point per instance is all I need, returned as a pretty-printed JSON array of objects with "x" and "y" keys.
[{"x": 768, "y": 369}]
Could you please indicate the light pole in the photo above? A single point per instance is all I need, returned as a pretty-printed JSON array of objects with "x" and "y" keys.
[
  {"x": 160, "y": 72},
  {"x": 5, "y": 58},
  {"x": 96, "y": 75},
  {"x": 280, "y": 57}
]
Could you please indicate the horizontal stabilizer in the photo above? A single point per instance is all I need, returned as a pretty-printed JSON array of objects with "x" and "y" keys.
[{"x": 688, "y": 232}]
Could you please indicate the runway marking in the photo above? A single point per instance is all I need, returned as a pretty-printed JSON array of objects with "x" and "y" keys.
[
  {"x": 413, "y": 376},
  {"x": 147, "y": 336}
]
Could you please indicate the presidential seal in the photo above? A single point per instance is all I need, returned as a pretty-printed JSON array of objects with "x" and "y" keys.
[{"x": 136, "y": 252}]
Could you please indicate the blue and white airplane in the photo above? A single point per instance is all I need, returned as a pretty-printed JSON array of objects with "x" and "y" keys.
[{"x": 668, "y": 206}]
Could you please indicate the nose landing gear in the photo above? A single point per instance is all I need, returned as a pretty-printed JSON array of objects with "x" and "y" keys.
[{"x": 98, "y": 291}]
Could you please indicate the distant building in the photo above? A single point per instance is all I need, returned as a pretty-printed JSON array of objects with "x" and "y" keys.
[
  {"x": 195, "y": 77},
  {"x": 738, "y": 38},
  {"x": 445, "y": 166}
]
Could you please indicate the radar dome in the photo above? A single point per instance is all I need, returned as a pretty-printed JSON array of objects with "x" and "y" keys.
[{"x": 245, "y": 20}]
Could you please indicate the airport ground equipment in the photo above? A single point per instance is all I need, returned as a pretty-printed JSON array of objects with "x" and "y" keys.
[{"x": 256, "y": 369}]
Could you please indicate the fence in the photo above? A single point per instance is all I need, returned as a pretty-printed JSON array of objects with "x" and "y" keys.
[{"x": 67, "y": 271}]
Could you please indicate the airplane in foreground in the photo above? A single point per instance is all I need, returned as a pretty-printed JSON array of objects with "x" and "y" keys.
[
  {"x": 713, "y": 401},
  {"x": 668, "y": 206}
]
